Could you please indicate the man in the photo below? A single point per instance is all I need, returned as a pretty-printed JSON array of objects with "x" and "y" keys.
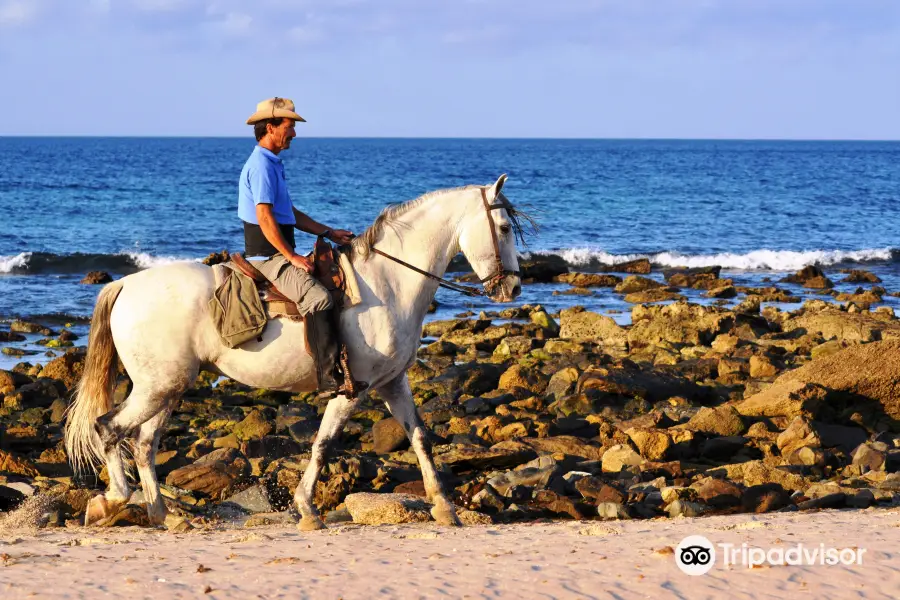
[{"x": 265, "y": 207}]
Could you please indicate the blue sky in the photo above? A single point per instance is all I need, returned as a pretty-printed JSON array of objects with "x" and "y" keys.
[{"x": 795, "y": 69}]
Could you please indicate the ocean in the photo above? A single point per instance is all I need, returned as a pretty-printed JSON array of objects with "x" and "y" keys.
[{"x": 758, "y": 209}]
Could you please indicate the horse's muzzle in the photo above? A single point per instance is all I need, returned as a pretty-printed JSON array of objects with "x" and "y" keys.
[{"x": 504, "y": 289}]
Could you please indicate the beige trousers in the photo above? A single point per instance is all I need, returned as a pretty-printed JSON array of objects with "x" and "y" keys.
[{"x": 298, "y": 285}]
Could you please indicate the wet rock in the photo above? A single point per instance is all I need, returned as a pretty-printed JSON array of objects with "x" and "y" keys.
[
  {"x": 640, "y": 266},
  {"x": 215, "y": 258},
  {"x": 810, "y": 277},
  {"x": 19, "y": 326},
  {"x": 724, "y": 291},
  {"x": 586, "y": 280},
  {"x": 542, "y": 269},
  {"x": 96, "y": 277},
  {"x": 387, "y": 509},
  {"x": 636, "y": 283},
  {"x": 389, "y": 435},
  {"x": 586, "y": 325},
  {"x": 859, "y": 276},
  {"x": 11, "y": 336},
  {"x": 655, "y": 295}
]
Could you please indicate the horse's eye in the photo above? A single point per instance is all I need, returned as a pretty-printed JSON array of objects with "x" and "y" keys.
[{"x": 505, "y": 229}]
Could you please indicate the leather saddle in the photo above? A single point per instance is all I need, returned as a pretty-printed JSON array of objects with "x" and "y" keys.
[{"x": 328, "y": 272}]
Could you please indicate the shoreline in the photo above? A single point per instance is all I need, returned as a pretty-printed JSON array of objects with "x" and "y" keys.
[{"x": 632, "y": 559}]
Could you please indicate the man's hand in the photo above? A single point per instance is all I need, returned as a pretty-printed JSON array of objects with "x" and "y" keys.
[
  {"x": 301, "y": 262},
  {"x": 341, "y": 236}
]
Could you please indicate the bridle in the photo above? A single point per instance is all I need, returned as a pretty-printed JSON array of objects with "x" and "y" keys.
[{"x": 493, "y": 279}]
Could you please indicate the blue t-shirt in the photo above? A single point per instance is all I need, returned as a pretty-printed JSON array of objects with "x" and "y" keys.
[{"x": 262, "y": 182}]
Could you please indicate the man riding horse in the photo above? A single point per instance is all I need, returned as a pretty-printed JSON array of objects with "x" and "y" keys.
[{"x": 269, "y": 217}]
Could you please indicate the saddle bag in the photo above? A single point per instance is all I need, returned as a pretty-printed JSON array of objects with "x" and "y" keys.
[{"x": 236, "y": 308}]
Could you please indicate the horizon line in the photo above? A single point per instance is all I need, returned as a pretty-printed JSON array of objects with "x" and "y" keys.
[{"x": 497, "y": 138}]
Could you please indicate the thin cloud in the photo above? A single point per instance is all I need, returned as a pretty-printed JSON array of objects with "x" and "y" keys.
[{"x": 14, "y": 13}]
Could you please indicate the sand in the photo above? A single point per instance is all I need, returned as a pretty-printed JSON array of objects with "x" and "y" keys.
[{"x": 631, "y": 559}]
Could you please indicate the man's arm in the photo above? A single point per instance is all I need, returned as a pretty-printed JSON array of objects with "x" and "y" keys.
[
  {"x": 272, "y": 232},
  {"x": 307, "y": 224}
]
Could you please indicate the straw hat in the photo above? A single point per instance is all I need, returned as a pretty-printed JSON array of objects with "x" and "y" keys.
[{"x": 274, "y": 108}]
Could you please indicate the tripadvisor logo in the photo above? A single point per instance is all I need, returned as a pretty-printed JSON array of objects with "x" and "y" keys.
[{"x": 695, "y": 555}]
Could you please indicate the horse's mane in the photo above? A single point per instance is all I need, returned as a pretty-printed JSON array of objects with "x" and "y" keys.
[{"x": 362, "y": 245}]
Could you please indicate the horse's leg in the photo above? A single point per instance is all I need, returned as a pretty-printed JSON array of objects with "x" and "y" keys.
[
  {"x": 145, "y": 458},
  {"x": 113, "y": 427},
  {"x": 399, "y": 399},
  {"x": 337, "y": 412}
]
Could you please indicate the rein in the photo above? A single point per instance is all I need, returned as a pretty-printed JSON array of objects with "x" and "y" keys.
[{"x": 500, "y": 273}]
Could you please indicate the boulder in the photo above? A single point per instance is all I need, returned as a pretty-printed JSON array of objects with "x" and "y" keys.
[
  {"x": 640, "y": 265},
  {"x": 619, "y": 457},
  {"x": 722, "y": 421},
  {"x": 255, "y": 426},
  {"x": 67, "y": 369},
  {"x": 636, "y": 283},
  {"x": 519, "y": 377},
  {"x": 832, "y": 323},
  {"x": 859, "y": 276},
  {"x": 214, "y": 474},
  {"x": 96, "y": 277},
  {"x": 16, "y": 465},
  {"x": 680, "y": 323},
  {"x": 810, "y": 276},
  {"x": 387, "y": 509},
  {"x": 653, "y": 444},
  {"x": 586, "y": 325},
  {"x": 866, "y": 373},
  {"x": 655, "y": 295},
  {"x": 586, "y": 280},
  {"x": 799, "y": 434},
  {"x": 388, "y": 435}
]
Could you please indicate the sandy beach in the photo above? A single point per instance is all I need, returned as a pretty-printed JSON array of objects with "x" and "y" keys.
[{"x": 576, "y": 559}]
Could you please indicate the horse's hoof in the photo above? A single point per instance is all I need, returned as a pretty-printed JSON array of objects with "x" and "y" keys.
[
  {"x": 443, "y": 513},
  {"x": 158, "y": 515},
  {"x": 99, "y": 508},
  {"x": 310, "y": 524},
  {"x": 176, "y": 524}
]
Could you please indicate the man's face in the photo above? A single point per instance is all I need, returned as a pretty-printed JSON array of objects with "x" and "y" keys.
[{"x": 282, "y": 135}]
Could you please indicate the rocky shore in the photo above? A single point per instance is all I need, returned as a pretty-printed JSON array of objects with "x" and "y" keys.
[{"x": 690, "y": 410}]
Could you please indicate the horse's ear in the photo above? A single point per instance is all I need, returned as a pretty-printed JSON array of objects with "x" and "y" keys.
[{"x": 499, "y": 185}]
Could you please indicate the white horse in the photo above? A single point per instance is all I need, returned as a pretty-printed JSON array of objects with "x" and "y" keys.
[{"x": 156, "y": 321}]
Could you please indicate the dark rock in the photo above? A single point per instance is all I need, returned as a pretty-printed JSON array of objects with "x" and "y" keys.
[
  {"x": 96, "y": 277},
  {"x": 765, "y": 497},
  {"x": 388, "y": 435},
  {"x": 718, "y": 493},
  {"x": 216, "y": 258},
  {"x": 836, "y": 500},
  {"x": 10, "y": 498},
  {"x": 859, "y": 276},
  {"x": 11, "y": 336},
  {"x": 543, "y": 268},
  {"x": 557, "y": 505}
]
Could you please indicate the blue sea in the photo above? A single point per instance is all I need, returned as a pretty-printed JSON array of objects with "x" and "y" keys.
[{"x": 759, "y": 209}]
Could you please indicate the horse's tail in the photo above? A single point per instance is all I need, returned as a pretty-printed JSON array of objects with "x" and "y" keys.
[{"x": 94, "y": 394}]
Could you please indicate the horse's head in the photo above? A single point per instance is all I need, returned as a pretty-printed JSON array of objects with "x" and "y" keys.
[{"x": 488, "y": 240}]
